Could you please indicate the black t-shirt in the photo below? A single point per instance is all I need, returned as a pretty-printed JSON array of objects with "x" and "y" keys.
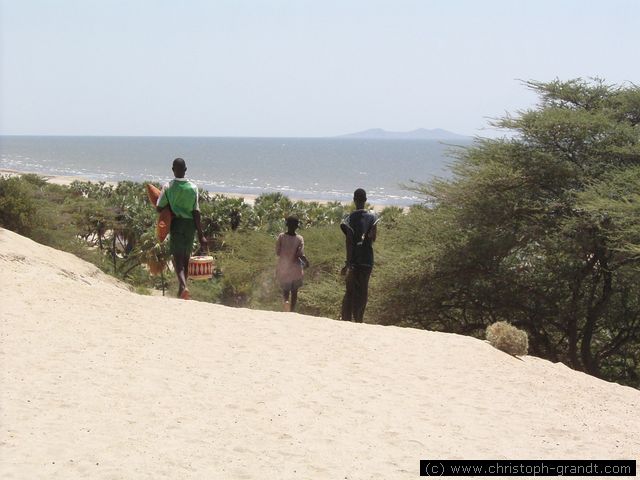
[{"x": 360, "y": 224}]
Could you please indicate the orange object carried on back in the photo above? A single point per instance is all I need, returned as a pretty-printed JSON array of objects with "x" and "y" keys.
[{"x": 164, "y": 218}]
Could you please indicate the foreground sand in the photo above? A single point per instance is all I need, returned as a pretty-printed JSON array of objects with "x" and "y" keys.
[{"x": 101, "y": 383}]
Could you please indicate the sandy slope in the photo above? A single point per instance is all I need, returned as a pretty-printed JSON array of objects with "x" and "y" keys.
[{"x": 100, "y": 383}]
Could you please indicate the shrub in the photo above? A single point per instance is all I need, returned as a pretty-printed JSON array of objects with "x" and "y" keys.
[
  {"x": 248, "y": 262},
  {"x": 34, "y": 180},
  {"x": 17, "y": 207},
  {"x": 536, "y": 228},
  {"x": 508, "y": 338},
  {"x": 390, "y": 215}
]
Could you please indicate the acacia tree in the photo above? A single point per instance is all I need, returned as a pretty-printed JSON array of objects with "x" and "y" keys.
[{"x": 512, "y": 236}]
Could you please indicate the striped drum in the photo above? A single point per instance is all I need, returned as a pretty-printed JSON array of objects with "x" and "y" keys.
[{"x": 200, "y": 267}]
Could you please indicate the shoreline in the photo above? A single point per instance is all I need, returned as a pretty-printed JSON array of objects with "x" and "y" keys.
[{"x": 248, "y": 198}]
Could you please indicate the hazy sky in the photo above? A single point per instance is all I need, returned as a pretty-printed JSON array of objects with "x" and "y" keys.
[{"x": 296, "y": 67}]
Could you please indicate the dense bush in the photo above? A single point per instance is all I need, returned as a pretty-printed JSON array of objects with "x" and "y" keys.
[
  {"x": 248, "y": 263},
  {"x": 540, "y": 229},
  {"x": 17, "y": 208}
]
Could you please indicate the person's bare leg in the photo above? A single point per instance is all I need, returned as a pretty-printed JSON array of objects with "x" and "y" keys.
[
  {"x": 294, "y": 299},
  {"x": 186, "y": 268},
  {"x": 175, "y": 269},
  {"x": 285, "y": 301},
  {"x": 186, "y": 276},
  {"x": 179, "y": 263}
]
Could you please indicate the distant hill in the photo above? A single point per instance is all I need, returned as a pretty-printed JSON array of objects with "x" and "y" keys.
[{"x": 419, "y": 134}]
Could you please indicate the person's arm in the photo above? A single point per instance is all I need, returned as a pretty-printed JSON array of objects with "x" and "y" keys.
[
  {"x": 197, "y": 220},
  {"x": 349, "y": 248},
  {"x": 373, "y": 233},
  {"x": 301, "y": 255},
  {"x": 348, "y": 238},
  {"x": 300, "y": 249},
  {"x": 279, "y": 245},
  {"x": 163, "y": 201}
]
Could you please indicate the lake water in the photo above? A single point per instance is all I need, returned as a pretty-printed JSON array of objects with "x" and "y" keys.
[{"x": 304, "y": 168}]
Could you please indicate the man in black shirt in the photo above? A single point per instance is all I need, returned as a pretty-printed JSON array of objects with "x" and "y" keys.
[{"x": 360, "y": 232}]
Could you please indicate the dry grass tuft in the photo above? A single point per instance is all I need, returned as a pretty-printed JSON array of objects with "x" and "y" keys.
[{"x": 508, "y": 338}]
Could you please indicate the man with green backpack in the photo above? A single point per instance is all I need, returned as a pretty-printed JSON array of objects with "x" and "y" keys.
[{"x": 181, "y": 196}]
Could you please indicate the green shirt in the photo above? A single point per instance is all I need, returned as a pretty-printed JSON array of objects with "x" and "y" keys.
[{"x": 182, "y": 196}]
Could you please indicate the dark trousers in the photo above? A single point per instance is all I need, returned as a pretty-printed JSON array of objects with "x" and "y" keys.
[{"x": 356, "y": 294}]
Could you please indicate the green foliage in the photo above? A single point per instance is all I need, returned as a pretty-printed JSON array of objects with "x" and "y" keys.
[
  {"x": 403, "y": 251},
  {"x": 34, "y": 180},
  {"x": 99, "y": 190},
  {"x": 202, "y": 290},
  {"x": 220, "y": 214},
  {"x": 539, "y": 229},
  {"x": 314, "y": 214},
  {"x": 323, "y": 287},
  {"x": 248, "y": 262},
  {"x": 93, "y": 218},
  {"x": 390, "y": 216},
  {"x": 614, "y": 201},
  {"x": 17, "y": 208},
  {"x": 271, "y": 209}
]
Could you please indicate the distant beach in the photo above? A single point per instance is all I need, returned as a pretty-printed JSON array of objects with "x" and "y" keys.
[
  {"x": 311, "y": 169},
  {"x": 67, "y": 180},
  {"x": 249, "y": 198}
]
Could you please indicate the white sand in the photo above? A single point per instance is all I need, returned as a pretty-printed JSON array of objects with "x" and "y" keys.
[{"x": 101, "y": 383}]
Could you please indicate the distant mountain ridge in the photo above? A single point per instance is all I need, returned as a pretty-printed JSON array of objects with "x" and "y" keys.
[{"x": 418, "y": 134}]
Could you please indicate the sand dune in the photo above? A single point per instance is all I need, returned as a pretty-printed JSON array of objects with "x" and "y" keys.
[{"x": 101, "y": 383}]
